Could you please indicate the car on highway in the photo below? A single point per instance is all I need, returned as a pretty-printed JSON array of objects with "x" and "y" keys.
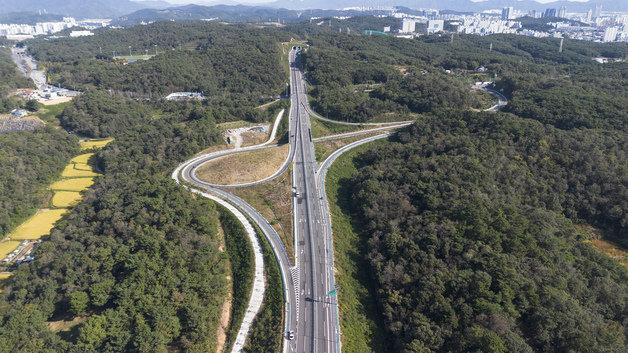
[{"x": 290, "y": 335}]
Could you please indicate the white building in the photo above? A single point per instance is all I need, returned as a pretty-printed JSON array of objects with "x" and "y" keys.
[
  {"x": 434, "y": 26},
  {"x": 408, "y": 25},
  {"x": 20, "y": 113},
  {"x": 562, "y": 12},
  {"x": 610, "y": 34},
  {"x": 81, "y": 33}
]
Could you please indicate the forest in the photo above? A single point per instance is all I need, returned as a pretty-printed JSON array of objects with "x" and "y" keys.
[
  {"x": 137, "y": 265},
  {"x": 473, "y": 227},
  {"x": 358, "y": 78},
  {"x": 220, "y": 61},
  {"x": 10, "y": 79}
]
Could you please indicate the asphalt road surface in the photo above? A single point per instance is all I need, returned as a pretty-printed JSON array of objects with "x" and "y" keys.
[{"x": 317, "y": 322}]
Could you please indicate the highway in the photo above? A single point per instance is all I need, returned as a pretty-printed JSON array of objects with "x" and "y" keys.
[
  {"x": 317, "y": 323},
  {"x": 311, "y": 310},
  {"x": 185, "y": 173}
]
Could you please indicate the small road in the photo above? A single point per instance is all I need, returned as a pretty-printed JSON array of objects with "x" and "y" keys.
[
  {"x": 502, "y": 101},
  {"x": 22, "y": 59}
]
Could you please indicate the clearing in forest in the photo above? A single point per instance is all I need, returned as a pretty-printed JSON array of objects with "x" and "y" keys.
[{"x": 99, "y": 143}]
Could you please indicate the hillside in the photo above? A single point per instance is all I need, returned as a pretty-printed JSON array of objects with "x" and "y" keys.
[{"x": 77, "y": 8}]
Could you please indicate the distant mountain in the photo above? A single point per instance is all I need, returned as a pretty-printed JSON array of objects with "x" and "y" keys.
[
  {"x": 29, "y": 18},
  {"x": 238, "y": 13},
  {"x": 79, "y": 8},
  {"x": 457, "y": 5}
]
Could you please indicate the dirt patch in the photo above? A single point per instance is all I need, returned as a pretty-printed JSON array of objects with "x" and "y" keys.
[
  {"x": 221, "y": 333},
  {"x": 225, "y": 315},
  {"x": 64, "y": 325},
  {"x": 243, "y": 167},
  {"x": 246, "y": 135},
  {"x": 55, "y": 101},
  {"x": 253, "y": 138}
]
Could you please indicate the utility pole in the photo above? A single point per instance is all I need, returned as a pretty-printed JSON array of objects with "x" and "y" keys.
[
  {"x": 560, "y": 50},
  {"x": 130, "y": 51},
  {"x": 155, "y": 49},
  {"x": 491, "y": 47},
  {"x": 452, "y": 37}
]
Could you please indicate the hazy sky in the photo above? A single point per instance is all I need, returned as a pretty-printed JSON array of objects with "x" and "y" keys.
[{"x": 202, "y": 2}]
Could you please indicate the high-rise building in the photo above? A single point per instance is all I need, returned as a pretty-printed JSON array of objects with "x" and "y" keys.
[
  {"x": 610, "y": 34},
  {"x": 562, "y": 12},
  {"x": 549, "y": 13},
  {"x": 507, "y": 13},
  {"x": 434, "y": 26},
  {"x": 597, "y": 12},
  {"x": 589, "y": 15},
  {"x": 408, "y": 25}
]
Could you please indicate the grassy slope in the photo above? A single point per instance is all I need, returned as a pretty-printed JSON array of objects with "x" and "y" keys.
[{"x": 359, "y": 317}]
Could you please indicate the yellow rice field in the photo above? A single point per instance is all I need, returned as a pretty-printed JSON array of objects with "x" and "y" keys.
[
  {"x": 95, "y": 144},
  {"x": 66, "y": 198},
  {"x": 70, "y": 172},
  {"x": 38, "y": 225},
  {"x": 83, "y": 158},
  {"x": 76, "y": 184},
  {"x": 83, "y": 166},
  {"x": 7, "y": 247}
]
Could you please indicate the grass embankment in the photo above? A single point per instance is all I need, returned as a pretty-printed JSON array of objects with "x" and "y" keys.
[
  {"x": 244, "y": 167},
  {"x": 266, "y": 330},
  {"x": 50, "y": 113},
  {"x": 360, "y": 324},
  {"x": 322, "y": 128},
  {"x": 273, "y": 200},
  {"x": 242, "y": 261},
  {"x": 324, "y": 149}
]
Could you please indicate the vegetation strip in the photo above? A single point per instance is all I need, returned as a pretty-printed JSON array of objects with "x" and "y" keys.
[{"x": 257, "y": 294}]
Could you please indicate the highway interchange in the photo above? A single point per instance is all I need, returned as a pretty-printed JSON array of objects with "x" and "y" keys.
[{"x": 310, "y": 294}]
